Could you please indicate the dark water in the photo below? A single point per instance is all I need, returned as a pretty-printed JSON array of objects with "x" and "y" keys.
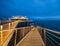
[
  {"x": 54, "y": 25},
  {"x": 23, "y": 24}
]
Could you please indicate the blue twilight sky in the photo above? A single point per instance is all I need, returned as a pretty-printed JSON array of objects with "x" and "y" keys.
[{"x": 37, "y": 9}]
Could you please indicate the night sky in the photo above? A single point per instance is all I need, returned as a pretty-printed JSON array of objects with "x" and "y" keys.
[{"x": 36, "y": 9}]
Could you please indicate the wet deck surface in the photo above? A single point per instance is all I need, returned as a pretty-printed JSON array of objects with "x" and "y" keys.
[{"x": 33, "y": 38}]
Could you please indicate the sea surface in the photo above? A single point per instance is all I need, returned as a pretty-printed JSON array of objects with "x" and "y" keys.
[{"x": 53, "y": 25}]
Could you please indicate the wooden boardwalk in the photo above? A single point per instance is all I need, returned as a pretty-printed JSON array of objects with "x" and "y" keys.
[
  {"x": 33, "y": 38},
  {"x": 6, "y": 31}
]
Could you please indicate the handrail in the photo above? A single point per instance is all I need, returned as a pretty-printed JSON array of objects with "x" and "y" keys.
[
  {"x": 45, "y": 33},
  {"x": 13, "y": 31},
  {"x": 10, "y": 34},
  {"x": 7, "y": 40},
  {"x": 53, "y": 40},
  {"x": 15, "y": 21},
  {"x": 6, "y": 30},
  {"x": 9, "y": 22},
  {"x": 53, "y": 35},
  {"x": 51, "y": 30},
  {"x": 15, "y": 28},
  {"x": 22, "y": 39}
]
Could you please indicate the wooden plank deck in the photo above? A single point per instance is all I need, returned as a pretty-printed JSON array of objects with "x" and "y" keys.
[{"x": 33, "y": 38}]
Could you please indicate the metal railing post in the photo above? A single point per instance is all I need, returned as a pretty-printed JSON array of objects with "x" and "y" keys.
[{"x": 45, "y": 36}]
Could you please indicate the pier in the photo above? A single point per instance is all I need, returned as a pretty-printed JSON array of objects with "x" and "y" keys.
[{"x": 29, "y": 35}]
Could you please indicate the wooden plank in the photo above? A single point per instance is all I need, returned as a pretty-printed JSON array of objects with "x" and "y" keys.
[{"x": 33, "y": 38}]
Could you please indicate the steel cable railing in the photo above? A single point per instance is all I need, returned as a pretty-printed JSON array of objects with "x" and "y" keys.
[
  {"x": 54, "y": 41},
  {"x": 50, "y": 37},
  {"x": 50, "y": 42},
  {"x": 56, "y": 38},
  {"x": 53, "y": 35}
]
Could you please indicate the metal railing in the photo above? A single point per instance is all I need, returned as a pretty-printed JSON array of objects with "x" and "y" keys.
[{"x": 50, "y": 37}]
